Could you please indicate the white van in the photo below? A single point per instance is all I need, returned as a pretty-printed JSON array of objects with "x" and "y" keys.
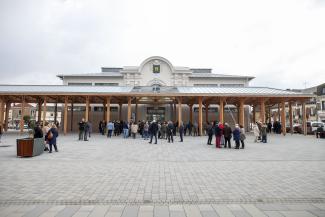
[{"x": 316, "y": 124}]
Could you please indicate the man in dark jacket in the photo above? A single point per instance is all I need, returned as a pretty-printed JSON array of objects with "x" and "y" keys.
[
  {"x": 181, "y": 130},
  {"x": 82, "y": 125},
  {"x": 170, "y": 129},
  {"x": 38, "y": 133},
  {"x": 153, "y": 129},
  {"x": 210, "y": 131},
  {"x": 227, "y": 134}
]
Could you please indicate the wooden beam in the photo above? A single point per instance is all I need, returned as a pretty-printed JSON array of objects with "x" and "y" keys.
[
  {"x": 200, "y": 116},
  {"x": 241, "y": 113},
  {"x": 254, "y": 113},
  {"x": 39, "y": 108},
  {"x": 136, "y": 111},
  {"x": 179, "y": 111},
  {"x": 108, "y": 109},
  {"x": 283, "y": 117},
  {"x": 129, "y": 109},
  {"x": 191, "y": 112},
  {"x": 304, "y": 121},
  {"x": 8, "y": 105},
  {"x": 221, "y": 110},
  {"x": 44, "y": 110},
  {"x": 290, "y": 117},
  {"x": 65, "y": 118},
  {"x": 2, "y": 103},
  {"x": 22, "y": 114},
  {"x": 87, "y": 109},
  {"x": 71, "y": 116},
  {"x": 262, "y": 110},
  {"x": 206, "y": 112},
  {"x": 120, "y": 111}
]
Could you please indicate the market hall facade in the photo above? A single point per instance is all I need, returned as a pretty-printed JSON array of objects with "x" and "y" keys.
[{"x": 154, "y": 90}]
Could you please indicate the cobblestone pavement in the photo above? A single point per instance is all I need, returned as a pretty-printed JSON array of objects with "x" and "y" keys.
[{"x": 129, "y": 177}]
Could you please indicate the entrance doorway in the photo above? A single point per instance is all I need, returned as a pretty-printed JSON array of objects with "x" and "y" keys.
[{"x": 155, "y": 113}]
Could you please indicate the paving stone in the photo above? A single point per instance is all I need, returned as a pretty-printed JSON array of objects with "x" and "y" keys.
[
  {"x": 37, "y": 211},
  {"x": 297, "y": 214},
  {"x": 223, "y": 211},
  {"x": 99, "y": 211},
  {"x": 68, "y": 211},
  {"x": 253, "y": 211},
  {"x": 161, "y": 211},
  {"x": 273, "y": 214}
]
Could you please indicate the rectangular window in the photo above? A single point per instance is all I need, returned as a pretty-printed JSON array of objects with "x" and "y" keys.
[
  {"x": 231, "y": 85},
  {"x": 156, "y": 68},
  {"x": 106, "y": 84},
  {"x": 206, "y": 85},
  {"x": 323, "y": 90},
  {"x": 323, "y": 105},
  {"x": 79, "y": 84}
]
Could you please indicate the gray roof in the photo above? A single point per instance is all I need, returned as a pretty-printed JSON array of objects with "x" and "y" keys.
[
  {"x": 102, "y": 74},
  {"x": 212, "y": 75},
  {"x": 48, "y": 89},
  {"x": 237, "y": 91},
  {"x": 220, "y": 91}
]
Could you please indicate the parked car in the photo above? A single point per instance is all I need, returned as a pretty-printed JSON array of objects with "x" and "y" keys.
[{"x": 315, "y": 125}]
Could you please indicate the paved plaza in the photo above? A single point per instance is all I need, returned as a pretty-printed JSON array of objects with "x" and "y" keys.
[{"x": 129, "y": 177}]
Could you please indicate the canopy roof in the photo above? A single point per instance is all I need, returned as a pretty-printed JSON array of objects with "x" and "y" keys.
[{"x": 160, "y": 94}]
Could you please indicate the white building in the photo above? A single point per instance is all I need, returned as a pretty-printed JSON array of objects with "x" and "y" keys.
[{"x": 156, "y": 71}]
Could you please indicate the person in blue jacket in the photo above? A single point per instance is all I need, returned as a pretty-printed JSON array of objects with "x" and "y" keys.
[
  {"x": 51, "y": 137},
  {"x": 236, "y": 134}
]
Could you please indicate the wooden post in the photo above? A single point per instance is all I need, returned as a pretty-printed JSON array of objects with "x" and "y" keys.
[
  {"x": 129, "y": 109},
  {"x": 8, "y": 105},
  {"x": 262, "y": 110},
  {"x": 120, "y": 111},
  {"x": 241, "y": 113},
  {"x": 200, "y": 116},
  {"x": 179, "y": 111},
  {"x": 191, "y": 113},
  {"x": 44, "y": 111},
  {"x": 22, "y": 114},
  {"x": 1, "y": 112},
  {"x": 55, "y": 111},
  {"x": 254, "y": 113},
  {"x": 39, "y": 108},
  {"x": 87, "y": 109},
  {"x": 71, "y": 118},
  {"x": 279, "y": 113},
  {"x": 290, "y": 117},
  {"x": 221, "y": 110},
  {"x": 174, "y": 115},
  {"x": 65, "y": 117},
  {"x": 283, "y": 117},
  {"x": 206, "y": 112},
  {"x": 136, "y": 111},
  {"x": 108, "y": 109},
  {"x": 304, "y": 122}
]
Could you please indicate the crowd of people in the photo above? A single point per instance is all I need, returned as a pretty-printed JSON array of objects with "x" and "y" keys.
[{"x": 167, "y": 130}]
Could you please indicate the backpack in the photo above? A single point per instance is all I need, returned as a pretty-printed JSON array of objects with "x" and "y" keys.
[{"x": 49, "y": 135}]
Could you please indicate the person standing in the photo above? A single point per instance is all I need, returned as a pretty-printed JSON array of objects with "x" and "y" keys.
[
  {"x": 264, "y": 133},
  {"x": 110, "y": 129},
  {"x": 181, "y": 131},
  {"x": 210, "y": 131},
  {"x": 86, "y": 131},
  {"x": 227, "y": 132},
  {"x": 217, "y": 133},
  {"x": 256, "y": 132},
  {"x": 146, "y": 131},
  {"x": 82, "y": 126},
  {"x": 195, "y": 129},
  {"x": 134, "y": 129},
  {"x": 236, "y": 134},
  {"x": 242, "y": 136},
  {"x": 125, "y": 129},
  {"x": 90, "y": 128},
  {"x": 51, "y": 136},
  {"x": 153, "y": 129},
  {"x": 38, "y": 133},
  {"x": 163, "y": 130},
  {"x": 189, "y": 127},
  {"x": 170, "y": 128}
]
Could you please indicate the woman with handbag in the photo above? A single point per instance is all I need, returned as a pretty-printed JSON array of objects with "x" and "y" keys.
[{"x": 51, "y": 137}]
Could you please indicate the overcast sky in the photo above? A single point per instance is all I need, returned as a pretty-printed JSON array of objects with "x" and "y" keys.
[{"x": 280, "y": 42}]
